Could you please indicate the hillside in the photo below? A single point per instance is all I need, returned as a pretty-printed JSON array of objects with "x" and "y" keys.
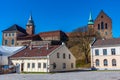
[{"x": 80, "y": 58}]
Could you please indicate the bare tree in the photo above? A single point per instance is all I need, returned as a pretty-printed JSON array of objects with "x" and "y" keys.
[{"x": 83, "y": 36}]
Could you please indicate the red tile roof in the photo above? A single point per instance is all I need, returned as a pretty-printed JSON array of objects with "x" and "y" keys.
[
  {"x": 35, "y": 52},
  {"x": 112, "y": 41},
  {"x": 51, "y": 33}
]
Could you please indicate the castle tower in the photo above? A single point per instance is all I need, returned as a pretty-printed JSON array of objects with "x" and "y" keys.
[
  {"x": 30, "y": 28},
  {"x": 103, "y": 25},
  {"x": 90, "y": 21}
]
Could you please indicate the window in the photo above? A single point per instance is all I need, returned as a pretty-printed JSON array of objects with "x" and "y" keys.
[
  {"x": 63, "y": 55},
  {"x": 96, "y": 52},
  {"x": 44, "y": 65},
  {"x": 12, "y": 34},
  {"x": 64, "y": 65},
  {"x": 5, "y": 34},
  {"x": 102, "y": 25},
  {"x": 58, "y": 55},
  {"x": 113, "y": 62},
  {"x": 98, "y": 26},
  {"x": 113, "y": 51},
  {"x": 104, "y": 51},
  {"x": 72, "y": 66},
  {"x": 101, "y": 16},
  {"x": 6, "y": 42},
  {"x": 106, "y": 33},
  {"x": 28, "y": 65},
  {"x": 39, "y": 65},
  {"x": 54, "y": 65},
  {"x": 0, "y": 54},
  {"x": 9, "y": 34},
  {"x": 69, "y": 56},
  {"x": 12, "y": 42},
  {"x": 97, "y": 62},
  {"x": 106, "y": 26},
  {"x": 105, "y": 62},
  {"x": 33, "y": 65}
]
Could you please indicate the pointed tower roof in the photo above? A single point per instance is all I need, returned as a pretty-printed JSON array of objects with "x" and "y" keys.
[
  {"x": 90, "y": 20},
  {"x": 102, "y": 13},
  {"x": 30, "y": 21}
]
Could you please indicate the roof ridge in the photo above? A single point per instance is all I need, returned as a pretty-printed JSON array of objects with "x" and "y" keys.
[{"x": 100, "y": 14}]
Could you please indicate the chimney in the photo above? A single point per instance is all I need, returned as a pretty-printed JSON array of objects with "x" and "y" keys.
[
  {"x": 47, "y": 46},
  {"x": 30, "y": 47}
]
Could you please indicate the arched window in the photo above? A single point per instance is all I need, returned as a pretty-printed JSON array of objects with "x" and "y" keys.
[
  {"x": 106, "y": 26},
  {"x": 97, "y": 62},
  {"x": 98, "y": 26},
  {"x": 63, "y": 55},
  {"x": 102, "y": 25},
  {"x": 105, "y": 62},
  {"x": 113, "y": 62}
]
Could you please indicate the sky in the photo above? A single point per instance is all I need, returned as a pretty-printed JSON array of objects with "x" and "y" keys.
[{"x": 50, "y": 15}]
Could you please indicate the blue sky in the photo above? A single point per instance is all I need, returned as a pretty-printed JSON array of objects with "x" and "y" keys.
[{"x": 49, "y": 15}]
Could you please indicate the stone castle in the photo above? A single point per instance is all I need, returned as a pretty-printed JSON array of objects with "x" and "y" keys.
[{"x": 18, "y": 36}]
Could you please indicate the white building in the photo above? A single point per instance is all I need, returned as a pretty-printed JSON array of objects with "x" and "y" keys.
[
  {"x": 105, "y": 54},
  {"x": 44, "y": 59},
  {"x": 6, "y": 51}
]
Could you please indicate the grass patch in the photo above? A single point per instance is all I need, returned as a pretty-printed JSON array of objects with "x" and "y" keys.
[{"x": 82, "y": 64}]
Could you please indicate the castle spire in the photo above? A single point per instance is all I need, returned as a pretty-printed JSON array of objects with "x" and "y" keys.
[
  {"x": 90, "y": 20},
  {"x": 30, "y": 21},
  {"x": 30, "y": 28}
]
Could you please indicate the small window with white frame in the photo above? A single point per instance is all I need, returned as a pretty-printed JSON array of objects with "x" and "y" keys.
[
  {"x": 39, "y": 65},
  {"x": 28, "y": 65},
  {"x": 44, "y": 65},
  {"x": 113, "y": 52},
  {"x": 96, "y": 52},
  {"x": 104, "y": 51},
  {"x": 33, "y": 65}
]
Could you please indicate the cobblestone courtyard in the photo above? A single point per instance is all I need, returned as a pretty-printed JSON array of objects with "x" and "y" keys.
[{"x": 90, "y": 75}]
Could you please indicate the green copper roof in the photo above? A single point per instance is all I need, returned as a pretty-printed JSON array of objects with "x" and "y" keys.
[{"x": 90, "y": 21}]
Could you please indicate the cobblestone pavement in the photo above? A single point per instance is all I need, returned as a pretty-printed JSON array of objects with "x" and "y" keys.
[{"x": 82, "y": 75}]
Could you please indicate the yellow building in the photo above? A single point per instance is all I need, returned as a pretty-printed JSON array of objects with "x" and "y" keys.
[{"x": 105, "y": 54}]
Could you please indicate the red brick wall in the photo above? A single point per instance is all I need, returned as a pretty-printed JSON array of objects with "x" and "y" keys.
[{"x": 102, "y": 17}]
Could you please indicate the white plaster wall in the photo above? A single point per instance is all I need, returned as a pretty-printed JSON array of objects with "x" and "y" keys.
[{"x": 36, "y": 61}]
